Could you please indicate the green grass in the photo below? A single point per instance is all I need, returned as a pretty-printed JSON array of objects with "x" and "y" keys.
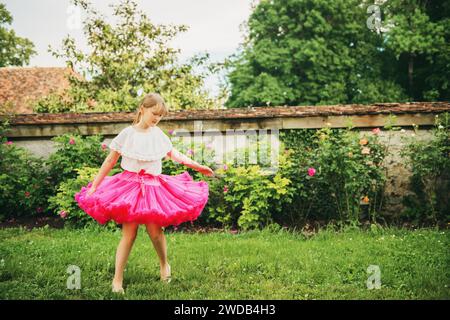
[{"x": 220, "y": 265}]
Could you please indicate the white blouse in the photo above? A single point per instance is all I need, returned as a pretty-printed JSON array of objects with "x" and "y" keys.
[{"x": 142, "y": 150}]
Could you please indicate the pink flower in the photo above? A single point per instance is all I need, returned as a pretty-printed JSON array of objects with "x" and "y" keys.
[
  {"x": 104, "y": 146},
  {"x": 311, "y": 171},
  {"x": 190, "y": 151},
  {"x": 8, "y": 143},
  {"x": 376, "y": 131},
  {"x": 170, "y": 132},
  {"x": 225, "y": 167},
  {"x": 233, "y": 231},
  {"x": 27, "y": 194},
  {"x": 209, "y": 146},
  {"x": 225, "y": 189},
  {"x": 63, "y": 214},
  {"x": 72, "y": 141},
  {"x": 39, "y": 209}
]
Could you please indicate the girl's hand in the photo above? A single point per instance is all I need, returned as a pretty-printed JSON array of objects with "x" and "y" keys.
[
  {"x": 207, "y": 171},
  {"x": 91, "y": 190}
]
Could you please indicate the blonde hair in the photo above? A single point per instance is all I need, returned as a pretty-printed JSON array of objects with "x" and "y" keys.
[{"x": 151, "y": 100}]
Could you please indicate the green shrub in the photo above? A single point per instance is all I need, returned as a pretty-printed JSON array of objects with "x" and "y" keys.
[
  {"x": 429, "y": 162},
  {"x": 351, "y": 169},
  {"x": 75, "y": 152},
  {"x": 249, "y": 196},
  {"x": 24, "y": 186},
  {"x": 306, "y": 203},
  {"x": 335, "y": 175}
]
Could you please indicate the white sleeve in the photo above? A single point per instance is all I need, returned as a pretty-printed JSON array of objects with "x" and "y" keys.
[{"x": 119, "y": 141}]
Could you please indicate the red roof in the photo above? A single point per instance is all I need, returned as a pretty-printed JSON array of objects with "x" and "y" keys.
[{"x": 21, "y": 86}]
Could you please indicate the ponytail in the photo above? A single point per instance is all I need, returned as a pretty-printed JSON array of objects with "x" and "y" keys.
[{"x": 137, "y": 117}]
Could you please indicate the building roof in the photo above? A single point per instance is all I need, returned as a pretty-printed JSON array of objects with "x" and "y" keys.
[{"x": 21, "y": 86}]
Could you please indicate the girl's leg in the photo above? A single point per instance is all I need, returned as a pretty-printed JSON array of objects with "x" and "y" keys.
[
  {"x": 156, "y": 234},
  {"x": 129, "y": 232}
]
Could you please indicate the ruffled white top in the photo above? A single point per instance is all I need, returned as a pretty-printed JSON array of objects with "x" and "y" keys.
[{"x": 142, "y": 150}]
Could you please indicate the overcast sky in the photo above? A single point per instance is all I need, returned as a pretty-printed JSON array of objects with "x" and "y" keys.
[{"x": 214, "y": 25}]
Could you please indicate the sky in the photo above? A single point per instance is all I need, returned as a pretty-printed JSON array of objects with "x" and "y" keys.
[{"x": 214, "y": 26}]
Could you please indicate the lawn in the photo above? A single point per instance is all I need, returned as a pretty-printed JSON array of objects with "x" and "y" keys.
[{"x": 413, "y": 264}]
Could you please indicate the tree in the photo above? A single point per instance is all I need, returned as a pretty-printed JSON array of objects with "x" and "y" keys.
[
  {"x": 125, "y": 59},
  {"x": 301, "y": 52},
  {"x": 419, "y": 38},
  {"x": 14, "y": 50}
]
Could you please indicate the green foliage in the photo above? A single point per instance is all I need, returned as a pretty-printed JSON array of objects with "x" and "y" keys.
[
  {"x": 23, "y": 182},
  {"x": 131, "y": 56},
  {"x": 418, "y": 35},
  {"x": 15, "y": 51},
  {"x": 307, "y": 202},
  {"x": 73, "y": 152},
  {"x": 429, "y": 162},
  {"x": 316, "y": 52},
  {"x": 250, "y": 196},
  {"x": 302, "y": 52},
  {"x": 337, "y": 175},
  {"x": 351, "y": 168}
]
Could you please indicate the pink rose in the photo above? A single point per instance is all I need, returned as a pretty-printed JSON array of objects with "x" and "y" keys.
[
  {"x": 311, "y": 171},
  {"x": 225, "y": 167},
  {"x": 225, "y": 189},
  {"x": 104, "y": 146},
  {"x": 72, "y": 141},
  {"x": 190, "y": 151},
  {"x": 63, "y": 214},
  {"x": 8, "y": 143},
  {"x": 170, "y": 132},
  {"x": 376, "y": 131}
]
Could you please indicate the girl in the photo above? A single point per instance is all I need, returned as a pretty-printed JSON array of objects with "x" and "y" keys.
[{"x": 141, "y": 194}]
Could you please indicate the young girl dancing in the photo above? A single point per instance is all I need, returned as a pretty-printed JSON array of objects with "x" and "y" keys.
[{"x": 141, "y": 194}]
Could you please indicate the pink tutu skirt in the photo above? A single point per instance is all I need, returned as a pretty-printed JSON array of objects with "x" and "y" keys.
[{"x": 145, "y": 198}]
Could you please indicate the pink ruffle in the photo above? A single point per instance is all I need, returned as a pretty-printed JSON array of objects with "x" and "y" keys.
[{"x": 145, "y": 198}]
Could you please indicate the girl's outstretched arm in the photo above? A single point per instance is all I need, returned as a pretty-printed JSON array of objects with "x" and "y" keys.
[
  {"x": 177, "y": 156},
  {"x": 106, "y": 167}
]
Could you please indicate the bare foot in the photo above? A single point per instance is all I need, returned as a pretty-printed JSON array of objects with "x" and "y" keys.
[
  {"x": 117, "y": 287},
  {"x": 165, "y": 273}
]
